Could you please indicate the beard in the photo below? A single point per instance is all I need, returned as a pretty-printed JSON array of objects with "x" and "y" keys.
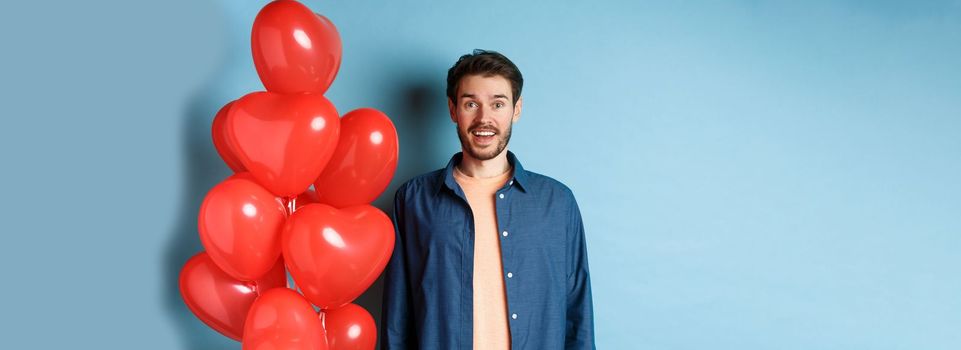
[{"x": 484, "y": 153}]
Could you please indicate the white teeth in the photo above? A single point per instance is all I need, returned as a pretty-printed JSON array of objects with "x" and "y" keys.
[{"x": 484, "y": 133}]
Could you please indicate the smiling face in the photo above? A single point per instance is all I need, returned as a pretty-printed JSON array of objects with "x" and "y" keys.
[{"x": 484, "y": 113}]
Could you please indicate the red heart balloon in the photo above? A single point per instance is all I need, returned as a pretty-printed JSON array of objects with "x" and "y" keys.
[
  {"x": 282, "y": 319},
  {"x": 218, "y": 133},
  {"x": 240, "y": 225},
  {"x": 350, "y": 328},
  {"x": 246, "y": 176},
  {"x": 364, "y": 161},
  {"x": 294, "y": 49},
  {"x": 283, "y": 140},
  {"x": 222, "y": 301},
  {"x": 334, "y": 255}
]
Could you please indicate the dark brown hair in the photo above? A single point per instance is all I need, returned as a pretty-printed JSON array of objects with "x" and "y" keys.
[{"x": 484, "y": 63}]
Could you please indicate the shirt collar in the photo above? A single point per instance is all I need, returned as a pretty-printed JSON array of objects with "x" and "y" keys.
[{"x": 520, "y": 176}]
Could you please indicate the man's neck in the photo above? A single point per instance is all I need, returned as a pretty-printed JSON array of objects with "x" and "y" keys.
[{"x": 476, "y": 168}]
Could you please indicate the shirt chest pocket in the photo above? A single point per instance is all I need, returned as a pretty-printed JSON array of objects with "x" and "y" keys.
[
  {"x": 441, "y": 235},
  {"x": 539, "y": 246}
]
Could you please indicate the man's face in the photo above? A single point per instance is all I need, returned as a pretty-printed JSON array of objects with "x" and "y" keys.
[{"x": 484, "y": 114}]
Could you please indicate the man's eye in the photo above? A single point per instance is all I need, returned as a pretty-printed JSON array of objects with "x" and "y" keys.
[
  {"x": 471, "y": 105},
  {"x": 498, "y": 105}
]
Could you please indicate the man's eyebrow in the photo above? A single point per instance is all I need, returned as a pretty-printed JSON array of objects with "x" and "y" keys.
[{"x": 475, "y": 96}]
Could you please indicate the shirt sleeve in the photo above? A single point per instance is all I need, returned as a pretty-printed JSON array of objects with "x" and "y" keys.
[
  {"x": 580, "y": 308},
  {"x": 396, "y": 318}
]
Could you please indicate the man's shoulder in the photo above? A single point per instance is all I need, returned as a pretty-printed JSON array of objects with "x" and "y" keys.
[
  {"x": 420, "y": 182},
  {"x": 547, "y": 185}
]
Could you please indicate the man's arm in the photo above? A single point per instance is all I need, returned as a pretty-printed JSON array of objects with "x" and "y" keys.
[
  {"x": 580, "y": 309},
  {"x": 396, "y": 329}
]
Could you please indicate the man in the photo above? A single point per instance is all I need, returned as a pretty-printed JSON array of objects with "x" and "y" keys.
[{"x": 488, "y": 254}]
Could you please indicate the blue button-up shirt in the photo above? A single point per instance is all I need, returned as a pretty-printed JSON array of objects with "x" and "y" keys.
[{"x": 428, "y": 285}]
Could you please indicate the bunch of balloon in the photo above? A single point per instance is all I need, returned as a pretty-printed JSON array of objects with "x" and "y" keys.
[{"x": 265, "y": 220}]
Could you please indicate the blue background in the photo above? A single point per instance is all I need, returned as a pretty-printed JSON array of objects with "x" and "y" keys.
[{"x": 752, "y": 174}]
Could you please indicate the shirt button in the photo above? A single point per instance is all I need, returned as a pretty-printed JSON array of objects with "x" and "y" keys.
[
  {"x": 502, "y": 196},
  {"x": 514, "y": 316},
  {"x": 505, "y": 233},
  {"x": 510, "y": 183},
  {"x": 510, "y": 275}
]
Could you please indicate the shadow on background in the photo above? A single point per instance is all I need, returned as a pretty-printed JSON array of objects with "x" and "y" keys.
[
  {"x": 202, "y": 170},
  {"x": 417, "y": 107}
]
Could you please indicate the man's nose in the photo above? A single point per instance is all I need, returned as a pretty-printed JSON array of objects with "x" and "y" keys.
[{"x": 484, "y": 113}]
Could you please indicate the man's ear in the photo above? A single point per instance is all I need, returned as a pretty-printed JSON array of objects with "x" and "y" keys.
[
  {"x": 450, "y": 108},
  {"x": 517, "y": 109}
]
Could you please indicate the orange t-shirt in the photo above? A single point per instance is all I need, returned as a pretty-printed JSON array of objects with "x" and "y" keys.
[{"x": 491, "y": 329}]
